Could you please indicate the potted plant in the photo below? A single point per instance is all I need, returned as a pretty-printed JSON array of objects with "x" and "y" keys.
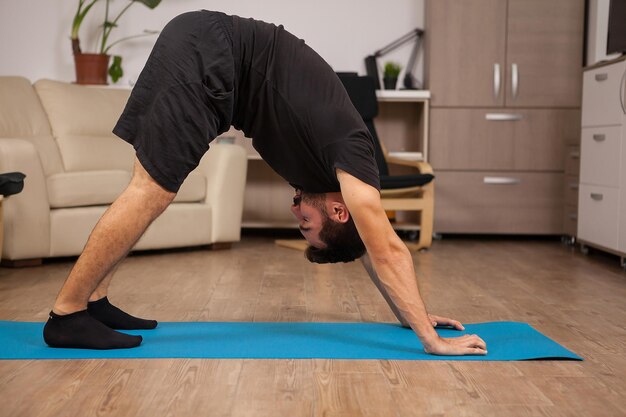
[
  {"x": 91, "y": 68},
  {"x": 390, "y": 75}
]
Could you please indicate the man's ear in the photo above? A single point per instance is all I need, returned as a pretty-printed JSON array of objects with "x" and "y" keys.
[{"x": 339, "y": 212}]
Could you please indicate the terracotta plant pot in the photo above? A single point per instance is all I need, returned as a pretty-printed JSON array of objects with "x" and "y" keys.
[{"x": 91, "y": 68}]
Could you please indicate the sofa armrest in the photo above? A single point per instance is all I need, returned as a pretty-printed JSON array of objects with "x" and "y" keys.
[
  {"x": 27, "y": 214},
  {"x": 225, "y": 166}
]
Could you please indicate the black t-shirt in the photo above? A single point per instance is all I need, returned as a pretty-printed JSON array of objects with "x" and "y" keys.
[
  {"x": 209, "y": 70},
  {"x": 293, "y": 105}
]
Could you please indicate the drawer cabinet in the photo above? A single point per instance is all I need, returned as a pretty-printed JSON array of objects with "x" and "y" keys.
[
  {"x": 572, "y": 160},
  {"x": 483, "y": 139},
  {"x": 602, "y": 191},
  {"x": 499, "y": 202},
  {"x": 571, "y": 190},
  {"x": 505, "y": 109},
  {"x": 570, "y": 220},
  {"x": 599, "y": 215},
  {"x": 571, "y": 185},
  {"x": 601, "y": 100},
  {"x": 602, "y": 149}
]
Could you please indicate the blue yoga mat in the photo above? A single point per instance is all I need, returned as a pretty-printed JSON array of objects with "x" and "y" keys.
[{"x": 506, "y": 341}]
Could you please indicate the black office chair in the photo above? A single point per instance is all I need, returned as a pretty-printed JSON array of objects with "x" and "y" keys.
[{"x": 413, "y": 192}]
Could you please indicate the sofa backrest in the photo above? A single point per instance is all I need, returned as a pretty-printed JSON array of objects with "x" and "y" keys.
[
  {"x": 22, "y": 117},
  {"x": 82, "y": 118}
]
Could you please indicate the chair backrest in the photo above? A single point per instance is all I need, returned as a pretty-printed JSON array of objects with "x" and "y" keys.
[{"x": 362, "y": 92}]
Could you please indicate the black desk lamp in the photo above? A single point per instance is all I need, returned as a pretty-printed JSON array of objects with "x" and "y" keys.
[{"x": 371, "y": 64}]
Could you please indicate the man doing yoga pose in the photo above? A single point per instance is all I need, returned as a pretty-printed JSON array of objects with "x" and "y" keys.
[{"x": 209, "y": 71}]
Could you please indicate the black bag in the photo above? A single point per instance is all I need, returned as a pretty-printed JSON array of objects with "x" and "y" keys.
[{"x": 11, "y": 183}]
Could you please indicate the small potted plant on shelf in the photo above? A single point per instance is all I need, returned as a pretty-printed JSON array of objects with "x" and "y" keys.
[
  {"x": 390, "y": 75},
  {"x": 91, "y": 68}
]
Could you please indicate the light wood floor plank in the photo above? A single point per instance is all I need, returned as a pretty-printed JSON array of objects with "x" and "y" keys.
[{"x": 574, "y": 299}]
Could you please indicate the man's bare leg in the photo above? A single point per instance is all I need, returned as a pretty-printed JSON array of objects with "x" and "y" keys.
[
  {"x": 110, "y": 241},
  {"x": 102, "y": 290},
  {"x": 100, "y": 308}
]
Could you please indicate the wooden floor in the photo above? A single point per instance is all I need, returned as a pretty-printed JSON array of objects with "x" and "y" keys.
[{"x": 578, "y": 301}]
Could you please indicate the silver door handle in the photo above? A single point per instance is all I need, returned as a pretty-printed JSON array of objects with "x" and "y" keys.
[
  {"x": 602, "y": 77},
  {"x": 503, "y": 117},
  {"x": 501, "y": 180},
  {"x": 514, "y": 80},
  {"x": 496, "y": 81},
  {"x": 596, "y": 196},
  {"x": 599, "y": 137}
]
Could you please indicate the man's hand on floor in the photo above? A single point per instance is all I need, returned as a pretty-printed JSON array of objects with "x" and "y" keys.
[
  {"x": 445, "y": 322},
  {"x": 470, "y": 344}
]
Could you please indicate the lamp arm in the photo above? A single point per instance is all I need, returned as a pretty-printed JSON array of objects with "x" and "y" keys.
[
  {"x": 409, "y": 79},
  {"x": 399, "y": 42}
]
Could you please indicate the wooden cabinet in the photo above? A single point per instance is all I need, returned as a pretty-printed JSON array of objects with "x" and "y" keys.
[
  {"x": 571, "y": 188},
  {"x": 489, "y": 139},
  {"x": 465, "y": 47},
  {"x": 505, "y": 78},
  {"x": 544, "y": 51},
  {"x": 515, "y": 53},
  {"x": 493, "y": 201},
  {"x": 602, "y": 196}
]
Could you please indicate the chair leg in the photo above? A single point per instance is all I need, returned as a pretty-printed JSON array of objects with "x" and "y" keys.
[
  {"x": 297, "y": 244},
  {"x": 426, "y": 229},
  {"x": 426, "y": 221}
]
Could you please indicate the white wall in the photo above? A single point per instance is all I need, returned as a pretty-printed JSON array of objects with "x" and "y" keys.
[{"x": 35, "y": 41}]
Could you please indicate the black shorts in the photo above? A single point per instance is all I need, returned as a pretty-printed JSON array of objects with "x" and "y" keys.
[{"x": 183, "y": 98}]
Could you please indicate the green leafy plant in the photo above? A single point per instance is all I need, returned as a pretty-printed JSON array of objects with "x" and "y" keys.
[
  {"x": 392, "y": 70},
  {"x": 84, "y": 6}
]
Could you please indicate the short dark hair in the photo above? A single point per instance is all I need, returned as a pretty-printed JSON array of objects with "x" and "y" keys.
[{"x": 343, "y": 243}]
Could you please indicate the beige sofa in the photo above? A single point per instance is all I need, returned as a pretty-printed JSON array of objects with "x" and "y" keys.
[{"x": 59, "y": 135}]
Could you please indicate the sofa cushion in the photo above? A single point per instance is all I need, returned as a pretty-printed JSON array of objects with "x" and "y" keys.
[
  {"x": 23, "y": 117},
  {"x": 92, "y": 188},
  {"x": 21, "y": 114},
  {"x": 193, "y": 189},
  {"x": 82, "y": 119},
  {"x": 87, "y": 188},
  {"x": 180, "y": 225}
]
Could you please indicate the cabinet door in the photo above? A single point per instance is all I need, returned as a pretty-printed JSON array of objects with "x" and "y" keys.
[
  {"x": 545, "y": 43},
  {"x": 602, "y": 104},
  {"x": 541, "y": 135},
  {"x": 499, "y": 202},
  {"x": 464, "y": 139},
  {"x": 600, "y": 150},
  {"x": 492, "y": 139},
  {"x": 598, "y": 209},
  {"x": 464, "y": 40}
]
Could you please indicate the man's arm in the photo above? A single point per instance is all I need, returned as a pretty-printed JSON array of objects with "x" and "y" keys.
[
  {"x": 435, "y": 320},
  {"x": 393, "y": 265},
  {"x": 367, "y": 264}
]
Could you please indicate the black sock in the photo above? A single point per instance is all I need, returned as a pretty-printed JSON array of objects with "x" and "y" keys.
[
  {"x": 80, "y": 330},
  {"x": 115, "y": 318}
]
